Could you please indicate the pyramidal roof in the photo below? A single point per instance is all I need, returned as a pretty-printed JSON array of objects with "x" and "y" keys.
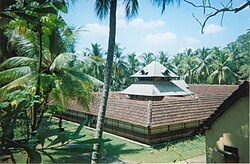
[
  {"x": 153, "y": 88},
  {"x": 155, "y": 69}
]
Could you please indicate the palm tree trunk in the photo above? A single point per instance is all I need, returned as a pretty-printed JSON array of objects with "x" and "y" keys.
[
  {"x": 109, "y": 62},
  {"x": 38, "y": 83}
]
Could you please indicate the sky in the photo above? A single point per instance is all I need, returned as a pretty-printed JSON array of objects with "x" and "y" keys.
[{"x": 173, "y": 31}]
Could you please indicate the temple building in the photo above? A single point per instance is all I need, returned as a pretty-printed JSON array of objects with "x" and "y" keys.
[
  {"x": 157, "y": 108},
  {"x": 155, "y": 82}
]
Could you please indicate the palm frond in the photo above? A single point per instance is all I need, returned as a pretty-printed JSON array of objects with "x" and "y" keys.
[
  {"x": 28, "y": 45},
  {"x": 84, "y": 77},
  {"x": 164, "y": 3},
  {"x": 82, "y": 87},
  {"x": 18, "y": 61},
  {"x": 57, "y": 94},
  {"x": 229, "y": 76},
  {"x": 69, "y": 86},
  {"x": 23, "y": 81},
  {"x": 25, "y": 44},
  {"x": 71, "y": 36},
  {"x": 9, "y": 75},
  {"x": 102, "y": 8},
  {"x": 131, "y": 8},
  {"x": 52, "y": 44},
  {"x": 214, "y": 77},
  {"x": 62, "y": 61}
]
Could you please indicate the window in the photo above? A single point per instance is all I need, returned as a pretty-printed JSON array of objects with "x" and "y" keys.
[{"x": 230, "y": 154}]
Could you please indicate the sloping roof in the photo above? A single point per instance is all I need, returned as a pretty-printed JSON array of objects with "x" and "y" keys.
[
  {"x": 183, "y": 85},
  {"x": 242, "y": 91},
  {"x": 155, "y": 69},
  {"x": 119, "y": 108},
  {"x": 212, "y": 89},
  {"x": 158, "y": 88},
  {"x": 171, "y": 110}
]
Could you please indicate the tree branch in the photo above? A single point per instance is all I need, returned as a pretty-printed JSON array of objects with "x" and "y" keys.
[{"x": 226, "y": 8}]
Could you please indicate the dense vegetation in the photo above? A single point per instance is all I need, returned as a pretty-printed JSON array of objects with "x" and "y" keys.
[{"x": 202, "y": 66}]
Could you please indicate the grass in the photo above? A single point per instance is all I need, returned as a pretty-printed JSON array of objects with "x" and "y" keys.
[
  {"x": 164, "y": 153},
  {"x": 123, "y": 150}
]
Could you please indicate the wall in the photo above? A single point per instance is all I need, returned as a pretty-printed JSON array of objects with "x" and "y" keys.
[
  {"x": 142, "y": 134},
  {"x": 230, "y": 129},
  {"x": 172, "y": 132},
  {"x": 134, "y": 132}
]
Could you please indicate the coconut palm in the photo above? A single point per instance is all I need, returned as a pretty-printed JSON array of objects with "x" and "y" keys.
[
  {"x": 57, "y": 73},
  {"x": 176, "y": 63},
  {"x": 120, "y": 69},
  {"x": 33, "y": 15},
  {"x": 133, "y": 63},
  {"x": 222, "y": 63},
  {"x": 96, "y": 50},
  {"x": 103, "y": 9},
  {"x": 20, "y": 72},
  {"x": 165, "y": 60},
  {"x": 189, "y": 65},
  {"x": 240, "y": 50},
  {"x": 204, "y": 63},
  {"x": 96, "y": 62},
  {"x": 133, "y": 66},
  {"x": 147, "y": 58}
]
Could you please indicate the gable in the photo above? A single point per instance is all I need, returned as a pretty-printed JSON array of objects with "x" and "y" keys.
[{"x": 242, "y": 91}]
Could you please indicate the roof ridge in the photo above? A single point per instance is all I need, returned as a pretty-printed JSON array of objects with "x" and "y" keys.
[
  {"x": 154, "y": 67},
  {"x": 149, "y": 108}
]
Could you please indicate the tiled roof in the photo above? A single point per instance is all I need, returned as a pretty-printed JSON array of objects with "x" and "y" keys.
[
  {"x": 212, "y": 89},
  {"x": 119, "y": 108},
  {"x": 171, "y": 110},
  {"x": 243, "y": 90},
  {"x": 181, "y": 110}
]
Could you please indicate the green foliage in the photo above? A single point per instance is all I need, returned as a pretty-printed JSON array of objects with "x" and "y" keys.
[
  {"x": 202, "y": 66},
  {"x": 59, "y": 64},
  {"x": 240, "y": 50},
  {"x": 120, "y": 69},
  {"x": 60, "y": 5},
  {"x": 37, "y": 29},
  {"x": 95, "y": 63},
  {"x": 16, "y": 108},
  {"x": 147, "y": 58},
  {"x": 118, "y": 149},
  {"x": 15, "y": 114},
  {"x": 47, "y": 140}
]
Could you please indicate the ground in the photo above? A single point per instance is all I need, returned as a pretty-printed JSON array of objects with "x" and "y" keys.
[
  {"x": 199, "y": 159},
  {"x": 121, "y": 150}
]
